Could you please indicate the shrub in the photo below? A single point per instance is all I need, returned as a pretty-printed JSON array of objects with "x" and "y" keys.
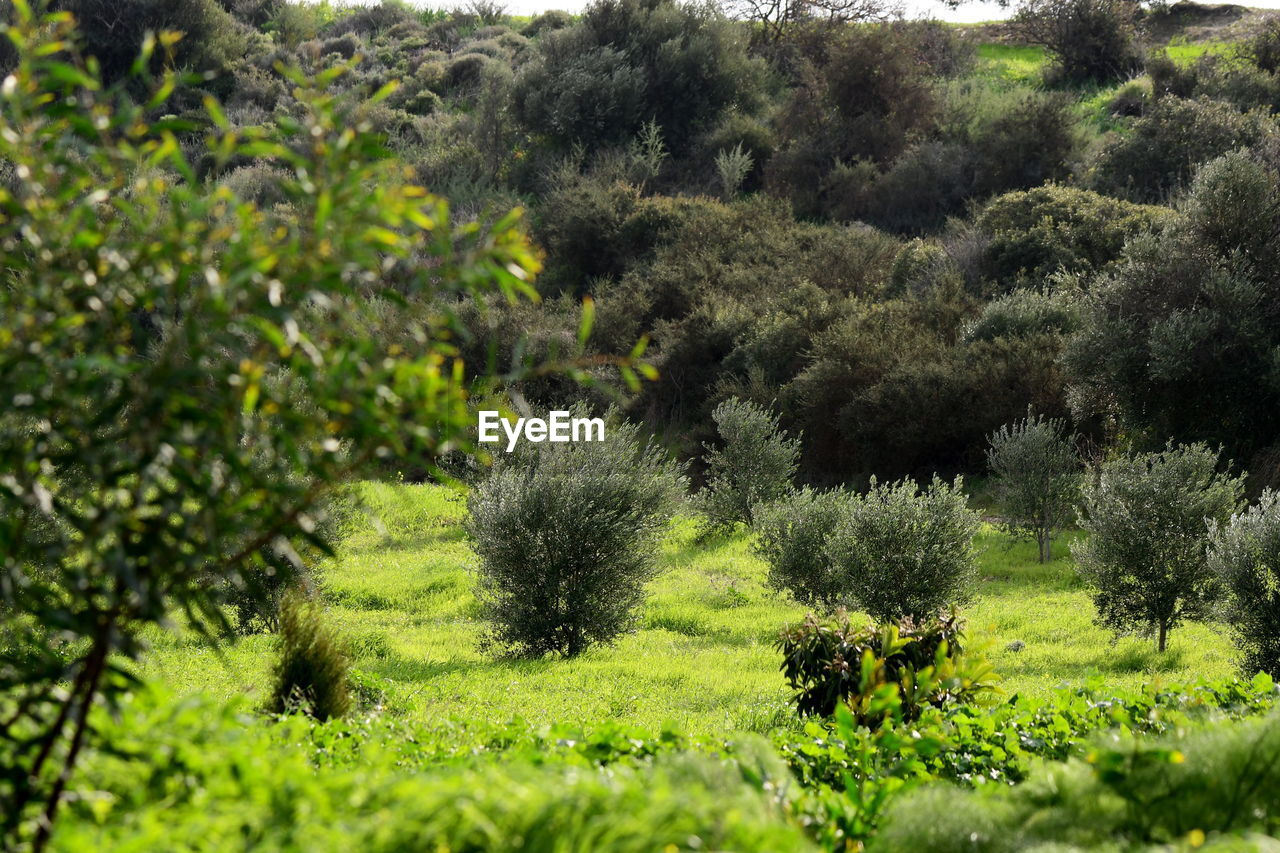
[
  {"x": 898, "y": 669},
  {"x": 1148, "y": 520},
  {"x": 1090, "y": 40},
  {"x": 1023, "y": 314},
  {"x": 567, "y": 536},
  {"x": 547, "y": 22},
  {"x": 1036, "y": 472},
  {"x": 752, "y": 466},
  {"x": 1263, "y": 49},
  {"x": 1177, "y": 339},
  {"x": 1037, "y": 233},
  {"x": 904, "y": 553},
  {"x": 1166, "y": 146},
  {"x": 1245, "y": 555},
  {"x": 312, "y": 670},
  {"x": 792, "y": 538}
]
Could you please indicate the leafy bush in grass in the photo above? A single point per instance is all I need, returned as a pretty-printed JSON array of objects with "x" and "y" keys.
[
  {"x": 567, "y": 535},
  {"x": 903, "y": 552},
  {"x": 752, "y": 465},
  {"x": 1090, "y": 40},
  {"x": 792, "y": 538},
  {"x": 1036, "y": 473},
  {"x": 1245, "y": 555},
  {"x": 886, "y": 672},
  {"x": 1148, "y": 520}
]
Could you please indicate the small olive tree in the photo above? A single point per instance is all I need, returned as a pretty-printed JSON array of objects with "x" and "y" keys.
[
  {"x": 1148, "y": 518},
  {"x": 902, "y": 552},
  {"x": 792, "y": 538},
  {"x": 1245, "y": 555},
  {"x": 567, "y": 535},
  {"x": 1036, "y": 473},
  {"x": 753, "y": 465}
]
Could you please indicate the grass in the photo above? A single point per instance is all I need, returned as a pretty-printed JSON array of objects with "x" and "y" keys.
[
  {"x": 1012, "y": 63},
  {"x": 702, "y": 657}
]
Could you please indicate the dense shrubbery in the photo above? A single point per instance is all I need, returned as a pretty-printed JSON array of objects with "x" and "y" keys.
[
  {"x": 1090, "y": 40},
  {"x": 311, "y": 673},
  {"x": 566, "y": 536}
]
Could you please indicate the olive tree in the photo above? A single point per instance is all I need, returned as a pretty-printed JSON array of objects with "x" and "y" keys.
[
  {"x": 156, "y": 337},
  {"x": 901, "y": 552},
  {"x": 567, "y": 535},
  {"x": 792, "y": 538},
  {"x": 1148, "y": 518},
  {"x": 753, "y": 464},
  {"x": 1245, "y": 555},
  {"x": 1036, "y": 473}
]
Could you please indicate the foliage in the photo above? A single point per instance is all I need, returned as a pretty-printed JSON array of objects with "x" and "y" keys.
[
  {"x": 906, "y": 553},
  {"x": 752, "y": 465},
  {"x": 1216, "y": 781},
  {"x": 792, "y": 537},
  {"x": 1164, "y": 148},
  {"x": 883, "y": 673},
  {"x": 1039, "y": 232},
  {"x": 1025, "y": 313},
  {"x": 1036, "y": 471},
  {"x": 1148, "y": 518},
  {"x": 312, "y": 670},
  {"x": 627, "y": 62},
  {"x": 213, "y": 765},
  {"x": 1245, "y": 555},
  {"x": 566, "y": 535},
  {"x": 1178, "y": 339},
  {"x": 1090, "y": 40},
  {"x": 185, "y": 369}
]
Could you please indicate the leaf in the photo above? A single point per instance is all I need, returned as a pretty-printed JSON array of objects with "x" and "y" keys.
[{"x": 588, "y": 320}]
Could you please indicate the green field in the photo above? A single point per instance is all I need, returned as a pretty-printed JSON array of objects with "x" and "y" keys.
[{"x": 703, "y": 657}]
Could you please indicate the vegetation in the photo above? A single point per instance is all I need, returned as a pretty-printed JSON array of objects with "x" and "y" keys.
[
  {"x": 830, "y": 262},
  {"x": 567, "y": 536},
  {"x": 1037, "y": 476},
  {"x": 904, "y": 553},
  {"x": 1148, "y": 517}
]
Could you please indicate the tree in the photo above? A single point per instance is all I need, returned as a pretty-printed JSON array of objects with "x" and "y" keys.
[
  {"x": 906, "y": 553},
  {"x": 1245, "y": 555},
  {"x": 186, "y": 376},
  {"x": 1036, "y": 472},
  {"x": 753, "y": 465},
  {"x": 1091, "y": 40},
  {"x": 792, "y": 538},
  {"x": 1148, "y": 518},
  {"x": 567, "y": 536},
  {"x": 1178, "y": 338},
  {"x": 776, "y": 20}
]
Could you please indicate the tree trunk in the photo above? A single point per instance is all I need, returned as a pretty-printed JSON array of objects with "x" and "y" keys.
[
  {"x": 1164, "y": 633},
  {"x": 1046, "y": 547}
]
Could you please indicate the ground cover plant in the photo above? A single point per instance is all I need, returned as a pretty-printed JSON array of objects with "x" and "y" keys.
[{"x": 873, "y": 309}]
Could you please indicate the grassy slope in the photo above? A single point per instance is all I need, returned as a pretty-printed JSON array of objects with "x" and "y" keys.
[{"x": 702, "y": 657}]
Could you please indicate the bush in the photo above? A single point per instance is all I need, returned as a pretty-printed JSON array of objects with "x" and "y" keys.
[
  {"x": 1148, "y": 519},
  {"x": 312, "y": 670},
  {"x": 1090, "y": 40},
  {"x": 792, "y": 538},
  {"x": 1245, "y": 556},
  {"x": 1036, "y": 472},
  {"x": 753, "y": 465},
  {"x": 1037, "y": 233},
  {"x": 904, "y": 553},
  {"x": 1177, "y": 339},
  {"x": 1023, "y": 314},
  {"x": 896, "y": 670},
  {"x": 567, "y": 536},
  {"x": 547, "y": 22},
  {"x": 1166, "y": 146}
]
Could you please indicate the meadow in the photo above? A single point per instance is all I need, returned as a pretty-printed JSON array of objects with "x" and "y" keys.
[{"x": 702, "y": 658}]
